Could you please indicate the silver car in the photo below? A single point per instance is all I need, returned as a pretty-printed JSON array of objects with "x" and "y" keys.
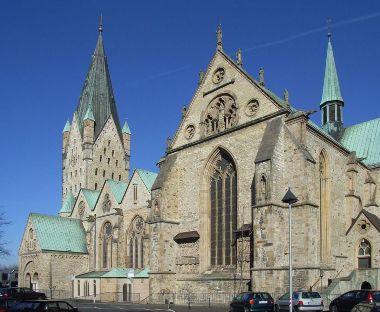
[{"x": 302, "y": 301}]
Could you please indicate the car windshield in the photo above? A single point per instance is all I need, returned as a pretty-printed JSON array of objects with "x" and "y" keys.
[
  {"x": 26, "y": 306},
  {"x": 307, "y": 295},
  {"x": 261, "y": 296}
]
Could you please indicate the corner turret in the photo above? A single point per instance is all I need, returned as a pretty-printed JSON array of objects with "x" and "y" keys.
[
  {"x": 332, "y": 102},
  {"x": 65, "y": 135},
  {"x": 88, "y": 133}
]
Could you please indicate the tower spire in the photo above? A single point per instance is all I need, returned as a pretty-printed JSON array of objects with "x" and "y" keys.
[{"x": 332, "y": 102}]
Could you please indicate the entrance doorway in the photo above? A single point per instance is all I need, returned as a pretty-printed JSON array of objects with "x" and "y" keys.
[{"x": 366, "y": 285}]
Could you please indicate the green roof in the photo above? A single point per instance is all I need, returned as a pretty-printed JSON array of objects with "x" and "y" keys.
[
  {"x": 118, "y": 189},
  {"x": 97, "y": 92},
  {"x": 331, "y": 89},
  {"x": 59, "y": 234},
  {"x": 67, "y": 127},
  {"x": 89, "y": 114},
  {"x": 147, "y": 177},
  {"x": 117, "y": 273},
  {"x": 68, "y": 205},
  {"x": 126, "y": 128},
  {"x": 364, "y": 139},
  {"x": 91, "y": 197}
]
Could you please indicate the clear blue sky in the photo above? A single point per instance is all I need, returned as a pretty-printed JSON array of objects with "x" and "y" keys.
[{"x": 155, "y": 50}]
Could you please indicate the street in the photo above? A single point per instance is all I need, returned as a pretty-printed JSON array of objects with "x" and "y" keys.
[{"x": 111, "y": 307}]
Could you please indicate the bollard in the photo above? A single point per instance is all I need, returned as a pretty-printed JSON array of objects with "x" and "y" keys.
[{"x": 94, "y": 301}]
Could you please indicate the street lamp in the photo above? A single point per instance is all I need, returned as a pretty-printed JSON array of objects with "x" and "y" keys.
[
  {"x": 290, "y": 199},
  {"x": 321, "y": 275}
]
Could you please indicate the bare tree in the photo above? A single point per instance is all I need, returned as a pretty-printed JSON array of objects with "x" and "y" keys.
[{"x": 3, "y": 222}]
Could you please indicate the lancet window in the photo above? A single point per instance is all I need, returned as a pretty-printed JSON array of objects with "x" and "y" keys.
[
  {"x": 223, "y": 208},
  {"x": 136, "y": 243},
  {"x": 364, "y": 254},
  {"x": 107, "y": 244}
]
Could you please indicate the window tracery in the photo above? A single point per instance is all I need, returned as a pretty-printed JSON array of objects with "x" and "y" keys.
[
  {"x": 223, "y": 206},
  {"x": 136, "y": 243},
  {"x": 364, "y": 254},
  {"x": 220, "y": 114}
]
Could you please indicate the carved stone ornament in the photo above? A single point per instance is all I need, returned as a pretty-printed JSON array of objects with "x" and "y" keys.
[
  {"x": 106, "y": 205},
  {"x": 73, "y": 160},
  {"x": 189, "y": 132},
  {"x": 251, "y": 108},
  {"x": 363, "y": 226},
  {"x": 218, "y": 75},
  {"x": 156, "y": 209}
]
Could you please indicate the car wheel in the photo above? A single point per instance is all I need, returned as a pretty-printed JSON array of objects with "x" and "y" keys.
[{"x": 334, "y": 308}]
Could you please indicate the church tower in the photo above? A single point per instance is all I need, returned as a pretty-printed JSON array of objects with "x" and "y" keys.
[
  {"x": 332, "y": 102},
  {"x": 95, "y": 147}
]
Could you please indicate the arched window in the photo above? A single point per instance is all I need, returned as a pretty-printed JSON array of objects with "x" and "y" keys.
[
  {"x": 107, "y": 244},
  {"x": 223, "y": 208},
  {"x": 324, "y": 207},
  {"x": 136, "y": 243},
  {"x": 28, "y": 280},
  {"x": 35, "y": 282},
  {"x": 94, "y": 286},
  {"x": 364, "y": 254},
  {"x": 263, "y": 188}
]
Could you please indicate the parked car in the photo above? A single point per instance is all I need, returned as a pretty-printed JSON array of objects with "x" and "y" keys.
[
  {"x": 21, "y": 293},
  {"x": 366, "y": 307},
  {"x": 302, "y": 301},
  {"x": 252, "y": 302},
  {"x": 43, "y": 305},
  {"x": 7, "y": 303},
  {"x": 350, "y": 299}
]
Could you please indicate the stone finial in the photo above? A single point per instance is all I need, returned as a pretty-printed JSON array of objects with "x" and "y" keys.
[
  {"x": 219, "y": 44},
  {"x": 261, "y": 77},
  {"x": 168, "y": 143},
  {"x": 184, "y": 111},
  {"x": 201, "y": 75},
  {"x": 239, "y": 58},
  {"x": 286, "y": 97},
  {"x": 101, "y": 23}
]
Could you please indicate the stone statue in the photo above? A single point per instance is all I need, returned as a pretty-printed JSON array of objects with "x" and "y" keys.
[
  {"x": 239, "y": 58},
  {"x": 184, "y": 110},
  {"x": 219, "y": 44},
  {"x": 261, "y": 77},
  {"x": 201, "y": 75}
]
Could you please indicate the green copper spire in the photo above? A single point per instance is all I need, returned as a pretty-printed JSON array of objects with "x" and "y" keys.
[
  {"x": 126, "y": 128},
  {"x": 97, "y": 91},
  {"x": 331, "y": 89},
  {"x": 67, "y": 127}
]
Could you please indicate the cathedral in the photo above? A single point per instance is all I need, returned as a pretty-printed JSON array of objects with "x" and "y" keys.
[{"x": 212, "y": 221}]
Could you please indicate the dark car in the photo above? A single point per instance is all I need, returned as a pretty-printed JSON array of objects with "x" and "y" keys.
[
  {"x": 348, "y": 300},
  {"x": 43, "y": 305},
  {"x": 7, "y": 303},
  {"x": 252, "y": 301},
  {"x": 21, "y": 293}
]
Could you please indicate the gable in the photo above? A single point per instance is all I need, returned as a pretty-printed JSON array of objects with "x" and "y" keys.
[
  {"x": 147, "y": 178},
  {"x": 372, "y": 218},
  {"x": 243, "y": 100},
  {"x": 29, "y": 243}
]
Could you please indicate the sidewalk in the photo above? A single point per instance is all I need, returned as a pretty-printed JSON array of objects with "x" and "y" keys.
[{"x": 185, "y": 308}]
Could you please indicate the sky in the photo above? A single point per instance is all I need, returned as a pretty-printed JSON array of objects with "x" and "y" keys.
[{"x": 155, "y": 50}]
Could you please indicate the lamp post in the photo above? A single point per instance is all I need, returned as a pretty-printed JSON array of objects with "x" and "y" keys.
[
  {"x": 321, "y": 275},
  {"x": 290, "y": 199}
]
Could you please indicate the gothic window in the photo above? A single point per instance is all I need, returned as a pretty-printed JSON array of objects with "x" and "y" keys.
[
  {"x": 106, "y": 204},
  {"x": 223, "y": 204},
  {"x": 104, "y": 173},
  {"x": 263, "y": 188},
  {"x": 113, "y": 153},
  {"x": 112, "y": 175},
  {"x": 220, "y": 114},
  {"x": 96, "y": 186},
  {"x": 96, "y": 171},
  {"x": 136, "y": 244},
  {"x": 107, "y": 241},
  {"x": 364, "y": 254},
  {"x": 100, "y": 158},
  {"x": 332, "y": 113},
  {"x": 108, "y": 161},
  {"x": 119, "y": 177},
  {"x": 117, "y": 162}
]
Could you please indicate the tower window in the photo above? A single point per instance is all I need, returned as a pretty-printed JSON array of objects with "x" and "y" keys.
[
  {"x": 104, "y": 173},
  {"x": 113, "y": 153},
  {"x": 105, "y": 150},
  {"x": 76, "y": 172},
  {"x": 117, "y": 162},
  {"x": 332, "y": 113},
  {"x": 339, "y": 113},
  {"x": 108, "y": 161},
  {"x": 96, "y": 171},
  {"x": 96, "y": 186},
  {"x": 119, "y": 177},
  {"x": 324, "y": 115},
  {"x": 112, "y": 175},
  {"x": 109, "y": 142},
  {"x": 100, "y": 158}
]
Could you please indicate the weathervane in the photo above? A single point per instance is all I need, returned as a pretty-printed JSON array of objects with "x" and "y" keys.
[
  {"x": 219, "y": 44},
  {"x": 101, "y": 23}
]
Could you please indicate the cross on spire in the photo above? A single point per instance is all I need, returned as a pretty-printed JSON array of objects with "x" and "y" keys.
[{"x": 101, "y": 23}]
